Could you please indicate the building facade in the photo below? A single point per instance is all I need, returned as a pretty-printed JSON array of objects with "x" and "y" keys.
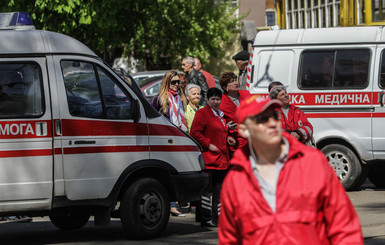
[{"x": 293, "y": 14}]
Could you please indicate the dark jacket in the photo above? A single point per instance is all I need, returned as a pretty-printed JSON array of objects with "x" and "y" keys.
[{"x": 198, "y": 78}]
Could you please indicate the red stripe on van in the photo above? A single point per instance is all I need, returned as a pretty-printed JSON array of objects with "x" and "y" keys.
[
  {"x": 339, "y": 115},
  {"x": 168, "y": 148},
  {"x": 103, "y": 128},
  {"x": 156, "y": 129},
  {"x": 21, "y": 129},
  {"x": 104, "y": 149},
  {"x": 26, "y": 153}
]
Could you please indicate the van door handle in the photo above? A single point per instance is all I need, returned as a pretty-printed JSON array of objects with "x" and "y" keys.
[
  {"x": 84, "y": 142},
  {"x": 58, "y": 127}
]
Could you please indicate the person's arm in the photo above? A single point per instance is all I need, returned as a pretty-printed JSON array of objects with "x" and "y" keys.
[
  {"x": 304, "y": 128},
  {"x": 155, "y": 103},
  {"x": 227, "y": 228},
  {"x": 342, "y": 223},
  {"x": 198, "y": 127},
  {"x": 204, "y": 87}
]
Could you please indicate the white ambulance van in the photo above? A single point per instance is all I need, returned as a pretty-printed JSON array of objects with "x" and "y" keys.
[
  {"x": 336, "y": 76},
  {"x": 77, "y": 141}
]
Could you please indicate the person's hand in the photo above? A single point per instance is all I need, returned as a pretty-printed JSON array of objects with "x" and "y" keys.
[
  {"x": 213, "y": 148},
  {"x": 295, "y": 135},
  {"x": 231, "y": 140},
  {"x": 232, "y": 125}
]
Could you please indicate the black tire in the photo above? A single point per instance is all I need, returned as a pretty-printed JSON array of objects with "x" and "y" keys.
[
  {"x": 376, "y": 175},
  {"x": 69, "y": 221},
  {"x": 145, "y": 209},
  {"x": 362, "y": 178},
  {"x": 345, "y": 163}
]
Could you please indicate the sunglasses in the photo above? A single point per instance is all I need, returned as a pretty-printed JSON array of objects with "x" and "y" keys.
[
  {"x": 261, "y": 119},
  {"x": 173, "y": 82}
]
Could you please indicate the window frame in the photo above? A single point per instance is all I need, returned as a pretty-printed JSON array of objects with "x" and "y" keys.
[
  {"x": 116, "y": 82},
  {"x": 332, "y": 87},
  {"x": 42, "y": 92}
]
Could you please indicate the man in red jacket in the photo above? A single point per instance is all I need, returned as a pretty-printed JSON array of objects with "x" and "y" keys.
[{"x": 280, "y": 191}]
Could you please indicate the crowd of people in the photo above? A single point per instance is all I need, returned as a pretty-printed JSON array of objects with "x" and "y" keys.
[{"x": 266, "y": 181}]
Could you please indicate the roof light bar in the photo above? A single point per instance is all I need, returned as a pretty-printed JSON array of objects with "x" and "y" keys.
[{"x": 16, "y": 21}]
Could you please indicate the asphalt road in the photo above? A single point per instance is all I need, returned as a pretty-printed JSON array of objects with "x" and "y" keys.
[{"x": 369, "y": 203}]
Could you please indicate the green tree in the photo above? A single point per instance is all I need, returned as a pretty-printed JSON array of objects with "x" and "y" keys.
[{"x": 158, "y": 31}]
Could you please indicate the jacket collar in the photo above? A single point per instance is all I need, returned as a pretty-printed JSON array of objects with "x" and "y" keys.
[{"x": 241, "y": 156}]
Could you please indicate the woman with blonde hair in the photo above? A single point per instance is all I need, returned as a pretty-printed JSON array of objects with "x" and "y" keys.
[{"x": 171, "y": 101}]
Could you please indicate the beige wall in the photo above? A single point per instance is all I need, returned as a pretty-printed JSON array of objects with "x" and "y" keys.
[
  {"x": 225, "y": 63},
  {"x": 256, "y": 8},
  {"x": 257, "y": 13},
  {"x": 269, "y": 4}
]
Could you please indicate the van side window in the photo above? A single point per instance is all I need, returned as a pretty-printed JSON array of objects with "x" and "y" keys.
[
  {"x": 334, "y": 69},
  {"x": 21, "y": 92},
  {"x": 92, "y": 92}
]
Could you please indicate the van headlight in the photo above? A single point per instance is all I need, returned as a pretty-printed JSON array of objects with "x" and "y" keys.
[{"x": 201, "y": 162}]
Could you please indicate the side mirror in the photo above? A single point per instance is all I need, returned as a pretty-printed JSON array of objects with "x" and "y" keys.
[{"x": 381, "y": 98}]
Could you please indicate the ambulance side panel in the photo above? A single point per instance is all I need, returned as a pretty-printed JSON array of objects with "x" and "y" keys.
[
  {"x": 336, "y": 114},
  {"x": 26, "y": 152},
  {"x": 99, "y": 138}
]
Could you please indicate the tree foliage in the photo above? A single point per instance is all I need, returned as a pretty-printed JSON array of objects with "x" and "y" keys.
[{"x": 159, "y": 31}]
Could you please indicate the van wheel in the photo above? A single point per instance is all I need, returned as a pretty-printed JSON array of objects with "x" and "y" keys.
[
  {"x": 363, "y": 176},
  {"x": 376, "y": 175},
  {"x": 345, "y": 163},
  {"x": 69, "y": 221},
  {"x": 145, "y": 209}
]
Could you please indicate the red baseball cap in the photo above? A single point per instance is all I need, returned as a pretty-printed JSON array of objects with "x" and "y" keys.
[{"x": 254, "y": 105}]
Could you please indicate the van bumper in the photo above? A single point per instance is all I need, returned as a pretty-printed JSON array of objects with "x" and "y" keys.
[{"x": 189, "y": 187}]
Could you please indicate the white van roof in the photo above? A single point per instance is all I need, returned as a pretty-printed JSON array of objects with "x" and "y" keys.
[
  {"x": 13, "y": 42},
  {"x": 335, "y": 35}
]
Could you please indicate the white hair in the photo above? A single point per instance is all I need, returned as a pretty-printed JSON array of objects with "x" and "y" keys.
[
  {"x": 189, "y": 59},
  {"x": 190, "y": 86}
]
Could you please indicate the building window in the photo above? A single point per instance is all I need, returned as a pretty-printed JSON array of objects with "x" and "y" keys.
[
  {"x": 270, "y": 17},
  {"x": 378, "y": 10},
  {"x": 312, "y": 13}
]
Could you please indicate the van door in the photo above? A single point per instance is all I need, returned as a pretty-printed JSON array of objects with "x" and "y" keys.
[
  {"x": 378, "y": 133},
  {"x": 26, "y": 154},
  {"x": 101, "y": 134}
]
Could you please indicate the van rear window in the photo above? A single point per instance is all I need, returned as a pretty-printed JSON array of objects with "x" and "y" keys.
[
  {"x": 20, "y": 90},
  {"x": 334, "y": 69}
]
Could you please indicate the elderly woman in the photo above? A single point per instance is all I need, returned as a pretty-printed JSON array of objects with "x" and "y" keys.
[
  {"x": 209, "y": 128},
  {"x": 171, "y": 101},
  {"x": 231, "y": 98},
  {"x": 294, "y": 120},
  {"x": 193, "y": 94}
]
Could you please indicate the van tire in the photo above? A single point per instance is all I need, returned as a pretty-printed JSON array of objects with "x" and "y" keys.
[
  {"x": 69, "y": 221},
  {"x": 145, "y": 209},
  {"x": 376, "y": 175},
  {"x": 362, "y": 178},
  {"x": 345, "y": 163}
]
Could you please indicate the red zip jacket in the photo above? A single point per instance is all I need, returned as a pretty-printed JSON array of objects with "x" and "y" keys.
[
  {"x": 208, "y": 128},
  {"x": 296, "y": 121},
  {"x": 311, "y": 204},
  {"x": 229, "y": 108}
]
